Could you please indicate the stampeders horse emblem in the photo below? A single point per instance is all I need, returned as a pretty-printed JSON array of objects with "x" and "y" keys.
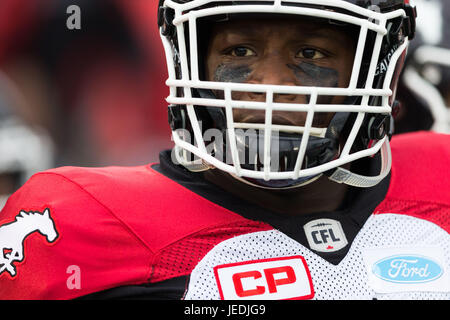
[{"x": 13, "y": 235}]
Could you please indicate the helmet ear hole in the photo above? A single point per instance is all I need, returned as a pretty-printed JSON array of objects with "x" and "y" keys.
[{"x": 379, "y": 126}]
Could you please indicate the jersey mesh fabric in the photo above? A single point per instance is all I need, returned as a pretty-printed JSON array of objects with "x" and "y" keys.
[
  {"x": 182, "y": 256},
  {"x": 435, "y": 212},
  {"x": 348, "y": 279}
]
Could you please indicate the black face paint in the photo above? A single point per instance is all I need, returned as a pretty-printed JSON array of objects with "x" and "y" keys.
[
  {"x": 227, "y": 73},
  {"x": 311, "y": 75}
]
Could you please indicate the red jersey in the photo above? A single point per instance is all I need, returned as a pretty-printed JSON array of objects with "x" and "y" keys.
[{"x": 159, "y": 230}]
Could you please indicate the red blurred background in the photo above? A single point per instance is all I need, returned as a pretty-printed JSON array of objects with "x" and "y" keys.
[{"x": 99, "y": 91}]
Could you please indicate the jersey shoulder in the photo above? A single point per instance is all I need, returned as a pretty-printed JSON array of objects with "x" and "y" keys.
[
  {"x": 148, "y": 202},
  {"x": 103, "y": 226},
  {"x": 62, "y": 241},
  {"x": 420, "y": 179}
]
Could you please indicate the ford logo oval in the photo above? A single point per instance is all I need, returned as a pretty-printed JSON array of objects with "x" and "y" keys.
[{"x": 407, "y": 269}]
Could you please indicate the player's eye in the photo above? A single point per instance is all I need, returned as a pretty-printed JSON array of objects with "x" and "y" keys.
[
  {"x": 310, "y": 53},
  {"x": 242, "y": 52}
]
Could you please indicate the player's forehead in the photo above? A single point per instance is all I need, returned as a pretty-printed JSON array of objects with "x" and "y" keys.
[{"x": 260, "y": 26}]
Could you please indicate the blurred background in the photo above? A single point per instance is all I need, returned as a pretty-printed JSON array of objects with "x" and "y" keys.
[{"x": 95, "y": 96}]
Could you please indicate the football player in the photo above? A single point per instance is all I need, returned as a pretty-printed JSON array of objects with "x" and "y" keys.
[{"x": 281, "y": 184}]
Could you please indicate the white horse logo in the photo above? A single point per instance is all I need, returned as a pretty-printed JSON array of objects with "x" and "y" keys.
[{"x": 12, "y": 236}]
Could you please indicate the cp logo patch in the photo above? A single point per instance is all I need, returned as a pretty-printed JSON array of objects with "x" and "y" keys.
[{"x": 267, "y": 279}]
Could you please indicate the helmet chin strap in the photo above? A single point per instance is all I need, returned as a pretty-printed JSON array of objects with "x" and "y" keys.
[
  {"x": 341, "y": 175},
  {"x": 338, "y": 175}
]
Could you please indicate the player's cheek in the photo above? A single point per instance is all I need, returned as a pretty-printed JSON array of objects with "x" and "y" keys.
[{"x": 232, "y": 73}]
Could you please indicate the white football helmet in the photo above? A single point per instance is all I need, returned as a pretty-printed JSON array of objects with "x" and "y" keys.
[{"x": 289, "y": 156}]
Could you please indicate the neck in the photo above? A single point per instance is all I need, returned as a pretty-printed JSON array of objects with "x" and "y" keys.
[{"x": 320, "y": 196}]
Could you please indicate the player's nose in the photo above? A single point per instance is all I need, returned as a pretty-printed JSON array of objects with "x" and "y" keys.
[{"x": 274, "y": 70}]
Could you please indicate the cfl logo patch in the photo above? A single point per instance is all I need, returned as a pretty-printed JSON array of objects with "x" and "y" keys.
[
  {"x": 268, "y": 279},
  {"x": 325, "y": 235}
]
